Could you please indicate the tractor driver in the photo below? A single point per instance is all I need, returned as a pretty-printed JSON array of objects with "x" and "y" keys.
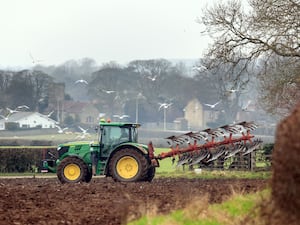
[{"x": 124, "y": 135}]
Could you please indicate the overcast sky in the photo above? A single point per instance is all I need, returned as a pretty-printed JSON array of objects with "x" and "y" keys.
[{"x": 112, "y": 30}]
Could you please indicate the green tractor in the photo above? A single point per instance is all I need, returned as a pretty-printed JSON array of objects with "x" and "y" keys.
[{"x": 115, "y": 154}]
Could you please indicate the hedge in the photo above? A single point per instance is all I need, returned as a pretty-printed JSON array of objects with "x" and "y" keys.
[{"x": 23, "y": 159}]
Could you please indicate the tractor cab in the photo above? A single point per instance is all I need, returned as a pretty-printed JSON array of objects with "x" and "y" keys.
[{"x": 112, "y": 134}]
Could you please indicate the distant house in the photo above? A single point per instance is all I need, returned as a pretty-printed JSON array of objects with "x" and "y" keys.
[
  {"x": 193, "y": 113},
  {"x": 198, "y": 115},
  {"x": 84, "y": 112},
  {"x": 28, "y": 120}
]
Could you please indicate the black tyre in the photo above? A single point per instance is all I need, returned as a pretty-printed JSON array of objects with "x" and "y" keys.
[
  {"x": 88, "y": 176},
  {"x": 150, "y": 174},
  {"x": 128, "y": 165},
  {"x": 72, "y": 170}
]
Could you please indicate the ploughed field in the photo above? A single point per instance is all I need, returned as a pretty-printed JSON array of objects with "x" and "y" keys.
[{"x": 103, "y": 201}]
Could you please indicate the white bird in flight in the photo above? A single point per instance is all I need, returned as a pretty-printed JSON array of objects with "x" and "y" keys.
[
  {"x": 214, "y": 105},
  {"x": 232, "y": 91},
  {"x": 84, "y": 131},
  {"x": 50, "y": 113},
  {"x": 164, "y": 105},
  {"x": 245, "y": 107},
  {"x": 81, "y": 81},
  {"x": 33, "y": 60},
  {"x": 108, "y": 91},
  {"x": 121, "y": 117},
  {"x": 11, "y": 111},
  {"x": 61, "y": 130},
  {"x": 5, "y": 117},
  {"x": 152, "y": 78},
  {"x": 22, "y": 107}
]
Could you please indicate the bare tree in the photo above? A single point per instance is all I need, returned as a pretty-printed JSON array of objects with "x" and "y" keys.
[
  {"x": 24, "y": 87},
  {"x": 112, "y": 86},
  {"x": 152, "y": 73},
  {"x": 280, "y": 85},
  {"x": 259, "y": 30}
]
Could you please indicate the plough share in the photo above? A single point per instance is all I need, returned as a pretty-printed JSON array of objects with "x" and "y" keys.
[{"x": 210, "y": 144}]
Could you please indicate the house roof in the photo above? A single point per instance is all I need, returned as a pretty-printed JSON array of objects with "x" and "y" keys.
[{"x": 21, "y": 115}]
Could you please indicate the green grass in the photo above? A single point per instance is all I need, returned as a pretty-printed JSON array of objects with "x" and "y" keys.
[{"x": 199, "y": 212}]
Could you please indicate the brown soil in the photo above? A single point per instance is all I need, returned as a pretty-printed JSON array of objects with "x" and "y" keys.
[{"x": 103, "y": 201}]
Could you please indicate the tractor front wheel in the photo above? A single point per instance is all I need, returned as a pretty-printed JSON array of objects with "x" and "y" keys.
[
  {"x": 128, "y": 165},
  {"x": 72, "y": 170}
]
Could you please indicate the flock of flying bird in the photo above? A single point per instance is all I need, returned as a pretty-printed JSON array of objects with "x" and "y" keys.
[
  {"x": 121, "y": 117},
  {"x": 167, "y": 105}
]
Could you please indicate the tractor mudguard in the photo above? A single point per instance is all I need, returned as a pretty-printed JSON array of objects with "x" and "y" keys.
[{"x": 139, "y": 147}]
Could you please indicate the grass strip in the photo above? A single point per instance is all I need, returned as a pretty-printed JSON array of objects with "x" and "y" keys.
[{"x": 199, "y": 212}]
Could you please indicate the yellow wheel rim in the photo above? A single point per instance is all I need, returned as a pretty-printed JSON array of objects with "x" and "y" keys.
[
  {"x": 72, "y": 171},
  {"x": 127, "y": 167}
]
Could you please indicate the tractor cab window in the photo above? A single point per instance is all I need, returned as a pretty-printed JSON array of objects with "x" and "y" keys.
[
  {"x": 111, "y": 136},
  {"x": 134, "y": 134},
  {"x": 120, "y": 134}
]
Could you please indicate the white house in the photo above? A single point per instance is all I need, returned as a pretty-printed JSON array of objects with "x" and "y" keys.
[{"x": 28, "y": 120}]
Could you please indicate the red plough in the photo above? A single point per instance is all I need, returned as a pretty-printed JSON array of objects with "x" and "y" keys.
[{"x": 210, "y": 144}]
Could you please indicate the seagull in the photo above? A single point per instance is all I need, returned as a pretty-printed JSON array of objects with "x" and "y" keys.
[
  {"x": 11, "y": 111},
  {"x": 81, "y": 81},
  {"x": 60, "y": 130},
  {"x": 245, "y": 107},
  {"x": 83, "y": 134},
  {"x": 5, "y": 117},
  {"x": 232, "y": 91},
  {"x": 33, "y": 60},
  {"x": 200, "y": 68},
  {"x": 23, "y": 107},
  {"x": 108, "y": 91},
  {"x": 164, "y": 105},
  {"x": 152, "y": 78},
  {"x": 83, "y": 130},
  {"x": 50, "y": 114},
  {"x": 214, "y": 105},
  {"x": 121, "y": 117},
  {"x": 101, "y": 115}
]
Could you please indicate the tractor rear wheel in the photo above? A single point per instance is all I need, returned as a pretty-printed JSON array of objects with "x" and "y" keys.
[
  {"x": 150, "y": 174},
  {"x": 88, "y": 176},
  {"x": 72, "y": 170},
  {"x": 128, "y": 165}
]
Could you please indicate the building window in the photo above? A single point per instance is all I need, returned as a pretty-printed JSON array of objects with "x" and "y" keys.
[{"x": 89, "y": 119}]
